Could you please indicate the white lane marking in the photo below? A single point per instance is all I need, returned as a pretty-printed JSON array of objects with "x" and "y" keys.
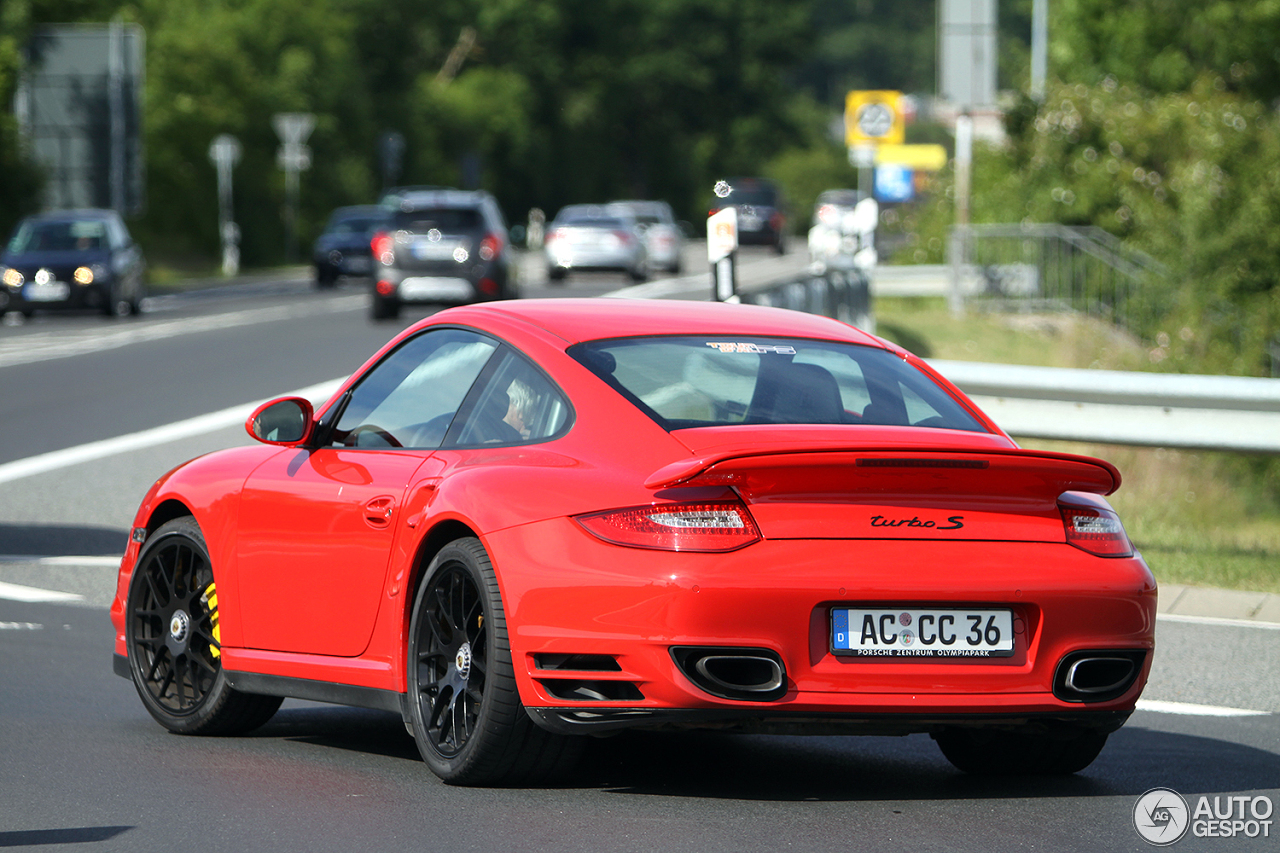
[
  {"x": 20, "y": 626},
  {"x": 30, "y": 594},
  {"x": 83, "y": 562},
  {"x": 1159, "y": 707},
  {"x": 1218, "y": 620},
  {"x": 148, "y": 438},
  {"x": 64, "y": 344}
]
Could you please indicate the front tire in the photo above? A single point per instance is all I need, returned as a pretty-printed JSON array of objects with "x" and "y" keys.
[
  {"x": 986, "y": 752},
  {"x": 174, "y": 643},
  {"x": 465, "y": 710}
]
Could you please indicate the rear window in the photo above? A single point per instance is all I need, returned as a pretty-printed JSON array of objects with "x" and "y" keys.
[
  {"x": 750, "y": 193},
  {"x": 684, "y": 382},
  {"x": 450, "y": 220}
]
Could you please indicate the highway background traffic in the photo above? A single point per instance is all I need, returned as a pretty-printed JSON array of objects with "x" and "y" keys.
[{"x": 82, "y": 764}]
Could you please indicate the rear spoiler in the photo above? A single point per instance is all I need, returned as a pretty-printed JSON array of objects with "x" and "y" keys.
[{"x": 1068, "y": 471}]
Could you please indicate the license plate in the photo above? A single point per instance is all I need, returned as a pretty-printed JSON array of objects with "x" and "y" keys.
[
  {"x": 434, "y": 250},
  {"x": 51, "y": 291},
  {"x": 924, "y": 632},
  {"x": 749, "y": 222}
]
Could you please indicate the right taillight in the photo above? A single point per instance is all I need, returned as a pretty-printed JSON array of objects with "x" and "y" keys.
[
  {"x": 383, "y": 247},
  {"x": 1097, "y": 531},
  {"x": 718, "y": 526}
]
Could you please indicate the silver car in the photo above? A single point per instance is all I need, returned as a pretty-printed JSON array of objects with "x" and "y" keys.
[
  {"x": 595, "y": 237},
  {"x": 663, "y": 236}
]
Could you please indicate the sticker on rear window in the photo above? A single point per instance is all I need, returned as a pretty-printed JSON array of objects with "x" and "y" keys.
[{"x": 755, "y": 349}]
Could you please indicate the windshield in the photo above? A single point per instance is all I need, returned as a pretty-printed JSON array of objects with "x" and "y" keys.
[
  {"x": 684, "y": 382},
  {"x": 357, "y": 225},
  {"x": 60, "y": 236},
  {"x": 450, "y": 220}
]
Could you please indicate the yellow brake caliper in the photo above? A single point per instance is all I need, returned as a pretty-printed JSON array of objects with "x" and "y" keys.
[{"x": 210, "y": 601}]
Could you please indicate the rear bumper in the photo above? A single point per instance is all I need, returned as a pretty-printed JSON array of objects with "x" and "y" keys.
[{"x": 593, "y": 627}]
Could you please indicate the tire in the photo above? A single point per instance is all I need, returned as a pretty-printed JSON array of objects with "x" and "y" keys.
[
  {"x": 384, "y": 308},
  {"x": 465, "y": 710},
  {"x": 172, "y": 638},
  {"x": 638, "y": 273},
  {"x": 1003, "y": 753}
]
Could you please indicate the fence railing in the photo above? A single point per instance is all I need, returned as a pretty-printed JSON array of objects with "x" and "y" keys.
[{"x": 1037, "y": 267}]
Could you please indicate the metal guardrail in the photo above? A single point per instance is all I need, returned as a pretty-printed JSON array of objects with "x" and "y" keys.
[
  {"x": 1231, "y": 413},
  {"x": 839, "y": 291}
]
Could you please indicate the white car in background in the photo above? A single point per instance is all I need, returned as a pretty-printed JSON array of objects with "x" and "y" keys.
[{"x": 663, "y": 236}]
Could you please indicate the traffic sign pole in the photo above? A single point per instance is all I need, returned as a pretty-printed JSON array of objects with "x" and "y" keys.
[
  {"x": 292, "y": 157},
  {"x": 224, "y": 151}
]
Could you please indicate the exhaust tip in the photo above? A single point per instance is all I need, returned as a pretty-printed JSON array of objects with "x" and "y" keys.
[
  {"x": 1097, "y": 675},
  {"x": 755, "y": 675}
]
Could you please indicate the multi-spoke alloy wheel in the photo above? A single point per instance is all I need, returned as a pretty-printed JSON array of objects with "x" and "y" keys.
[
  {"x": 451, "y": 660},
  {"x": 174, "y": 642},
  {"x": 464, "y": 707}
]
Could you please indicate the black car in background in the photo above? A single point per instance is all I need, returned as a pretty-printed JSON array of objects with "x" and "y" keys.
[
  {"x": 342, "y": 249},
  {"x": 762, "y": 212},
  {"x": 441, "y": 246},
  {"x": 72, "y": 259}
]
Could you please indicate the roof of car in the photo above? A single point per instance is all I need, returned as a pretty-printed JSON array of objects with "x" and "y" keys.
[
  {"x": 576, "y": 320},
  {"x": 77, "y": 213},
  {"x": 420, "y": 199}
]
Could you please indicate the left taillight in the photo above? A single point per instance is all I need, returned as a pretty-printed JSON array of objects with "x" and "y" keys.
[
  {"x": 1097, "y": 531},
  {"x": 717, "y": 526},
  {"x": 383, "y": 248},
  {"x": 490, "y": 246}
]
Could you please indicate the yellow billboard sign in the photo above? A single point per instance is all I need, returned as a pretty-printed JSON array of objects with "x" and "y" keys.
[{"x": 926, "y": 158}]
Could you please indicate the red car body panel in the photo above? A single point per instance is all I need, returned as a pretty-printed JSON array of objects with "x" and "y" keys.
[{"x": 318, "y": 552}]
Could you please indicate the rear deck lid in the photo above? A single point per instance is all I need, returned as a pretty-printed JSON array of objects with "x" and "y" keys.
[{"x": 812, "y": 490}]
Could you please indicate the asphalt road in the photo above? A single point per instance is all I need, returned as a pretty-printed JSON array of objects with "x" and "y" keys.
[{"x": 82, "y": 766}]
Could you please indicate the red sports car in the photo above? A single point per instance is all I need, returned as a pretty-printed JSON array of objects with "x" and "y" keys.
[{"x": 524, "y": 522}]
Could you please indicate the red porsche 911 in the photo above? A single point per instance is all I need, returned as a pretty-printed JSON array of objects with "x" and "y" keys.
[{"x": 525, "y": 522}]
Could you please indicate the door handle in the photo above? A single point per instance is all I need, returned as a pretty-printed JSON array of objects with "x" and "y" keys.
[{"x": 377, "y": 512}]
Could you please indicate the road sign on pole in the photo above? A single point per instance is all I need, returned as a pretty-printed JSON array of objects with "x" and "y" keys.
[
  {"x": 873, "y": 117},
  {"x": 224, "y": 151},
  {"x": 292, "y": 157}
]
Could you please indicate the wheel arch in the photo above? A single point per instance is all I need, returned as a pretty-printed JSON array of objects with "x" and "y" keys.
[
  {"x": 167, "y": 511},
  {"x": 440, "y": 535}
]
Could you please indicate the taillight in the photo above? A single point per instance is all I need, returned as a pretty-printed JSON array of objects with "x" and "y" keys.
[
  {"x": 1097, "y": 531},
  {"x": 383, "y": 247},
  {"x": 675, "y": 526},
  {"x": 490, "y": 246},
  {"x": 554, "y": 235},
  {"x": 626, "y": 238},
  {"x": 385, "y": 288}
]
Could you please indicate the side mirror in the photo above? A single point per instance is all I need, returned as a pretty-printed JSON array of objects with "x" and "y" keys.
[{"x": 286, "y": 422}]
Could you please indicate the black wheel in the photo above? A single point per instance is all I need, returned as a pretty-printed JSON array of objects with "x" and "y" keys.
[
  {"x": 1005, "y": 753},
  {"x": 638, "y": 273},
  {"x": 557, "y": 274},
  {"x": 465, "y": 710},
  {"x": 174, "y": 644},
  {"x": 385, "y": 308}
]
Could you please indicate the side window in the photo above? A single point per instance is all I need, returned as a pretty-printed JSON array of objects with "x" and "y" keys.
[
  {"x": 516, "y": 405},
  {"x": 410, "y": 398}
]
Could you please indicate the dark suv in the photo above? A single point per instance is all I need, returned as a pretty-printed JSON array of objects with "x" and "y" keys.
[
  {"x": 762, "y": 213},
  {"x": 441, "y": 246}
]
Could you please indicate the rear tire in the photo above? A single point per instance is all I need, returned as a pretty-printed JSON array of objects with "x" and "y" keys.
[
  {"x": 465, "y": 710},
  {"x": 173, "y": 640},
  {"x": 986, "y": 752}
]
